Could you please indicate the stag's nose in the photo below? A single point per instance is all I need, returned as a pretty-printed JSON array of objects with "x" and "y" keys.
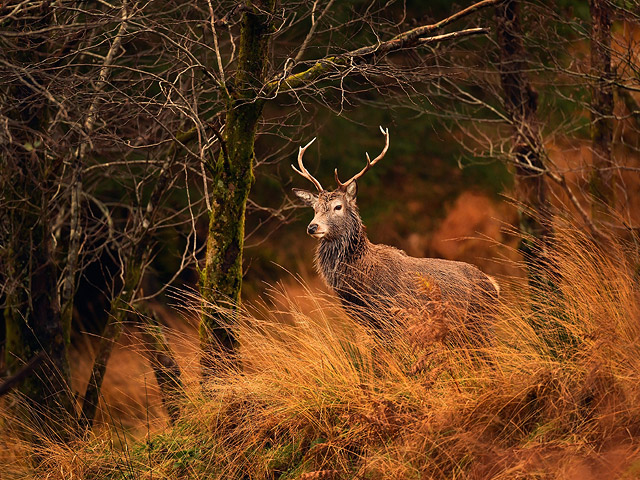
[{"x": 312, "y": 228}]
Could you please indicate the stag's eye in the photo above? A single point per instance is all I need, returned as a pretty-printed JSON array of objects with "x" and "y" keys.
[{"x": 338, "y": 207}]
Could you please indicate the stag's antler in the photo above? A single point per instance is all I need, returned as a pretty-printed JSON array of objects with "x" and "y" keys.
[
  {"x": 343, "y": 186},
  {"x": 303, "y": 171}
]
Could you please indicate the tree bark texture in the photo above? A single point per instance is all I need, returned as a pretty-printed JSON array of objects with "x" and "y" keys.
[
  {"x": 602, "y": 178},
  {"x": 221, "y": 277},
  {"x": 164, "y": 365},
  {"x": 32, "y": 313},
  {"x": 521, "y": 102},
  {"x": 32, "y": 317},
  {"x": 111, "y": 333}
]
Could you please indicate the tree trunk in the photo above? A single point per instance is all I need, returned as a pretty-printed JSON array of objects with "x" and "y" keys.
[
  {"x": 521, "y": 102},
  {"x": 32, "y": 317},
  {"x": 28, "y": 181},
  {"x": 221, "y": 278},
  {"x": 164, "y": 365},
  {"x": 602, "y": 178},
  {"x": 111, "y": 333},
  {"x": 140, "y": 240}
]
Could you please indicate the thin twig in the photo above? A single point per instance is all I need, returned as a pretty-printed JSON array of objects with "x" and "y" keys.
[
  {"x": 216, "y": 48},
  {"x": 314, "y": 25}
]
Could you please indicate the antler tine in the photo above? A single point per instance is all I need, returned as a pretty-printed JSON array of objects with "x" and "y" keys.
[
  {"x": 303, "y": 171},
  {"x": 369, "y": 164}
]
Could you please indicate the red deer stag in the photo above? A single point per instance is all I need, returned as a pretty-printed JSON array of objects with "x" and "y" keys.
[{"x": 374, "y": 281}]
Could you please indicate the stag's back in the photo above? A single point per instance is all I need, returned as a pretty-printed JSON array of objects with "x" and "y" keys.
[{"x": 385, "y": 279}]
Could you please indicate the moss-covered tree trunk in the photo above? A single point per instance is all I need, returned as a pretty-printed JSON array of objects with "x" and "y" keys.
[
  {"x": 602, "y": 178},
  {"x": 33, "y": 325},
  {"x": 521, "y": 103},
  {"x": 32, "y": 315},
  {"x": 29, "y": 176},
  {"x": 221, "y": 277}
]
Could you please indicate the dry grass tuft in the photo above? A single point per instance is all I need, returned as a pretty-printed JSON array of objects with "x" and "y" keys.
[
  {"x": 320, "y": 475},
  {"x": 319, "y": 396}
]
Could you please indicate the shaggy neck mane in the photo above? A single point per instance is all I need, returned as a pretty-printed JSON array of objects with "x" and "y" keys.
[{"x": 334, "y": 254}]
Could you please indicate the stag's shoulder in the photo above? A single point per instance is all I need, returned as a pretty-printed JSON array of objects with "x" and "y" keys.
[{"x": 450, "y": 275}]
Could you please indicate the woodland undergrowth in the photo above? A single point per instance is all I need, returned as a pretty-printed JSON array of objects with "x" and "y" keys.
[{"x": 320, "y": 397}]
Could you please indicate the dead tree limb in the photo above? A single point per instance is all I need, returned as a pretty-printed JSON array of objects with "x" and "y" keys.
[
  {"x": 133, "y": 270},
  {"x": 75, "y": 231}
]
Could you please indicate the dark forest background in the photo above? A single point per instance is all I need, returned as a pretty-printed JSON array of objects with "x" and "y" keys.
[{"x": 146, "y": 152}]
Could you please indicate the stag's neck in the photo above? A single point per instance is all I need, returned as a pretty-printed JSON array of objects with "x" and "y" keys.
[{"x": 334, "y": 256}]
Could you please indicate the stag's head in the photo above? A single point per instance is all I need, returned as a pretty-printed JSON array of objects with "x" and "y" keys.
[{"x": 336, "y": 211}]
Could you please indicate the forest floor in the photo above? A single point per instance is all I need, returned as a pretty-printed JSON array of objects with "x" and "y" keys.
[{"x": 556, "y": 395}]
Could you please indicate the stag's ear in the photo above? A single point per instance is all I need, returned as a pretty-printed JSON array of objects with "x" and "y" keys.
[
  {"x": 352, "y": 190},
  {"x": 306, "y": 196}
]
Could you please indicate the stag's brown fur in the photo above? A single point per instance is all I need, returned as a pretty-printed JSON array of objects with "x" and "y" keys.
[{"x": 374, "y": 281}]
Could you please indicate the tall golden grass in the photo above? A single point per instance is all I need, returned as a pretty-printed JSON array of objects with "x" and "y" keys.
[{"x": 556, "y": 395}]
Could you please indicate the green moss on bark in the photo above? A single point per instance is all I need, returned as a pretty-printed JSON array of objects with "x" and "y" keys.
[
  {"x": 33, "y": 324},
  {"x": 221, "y": 278}
]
